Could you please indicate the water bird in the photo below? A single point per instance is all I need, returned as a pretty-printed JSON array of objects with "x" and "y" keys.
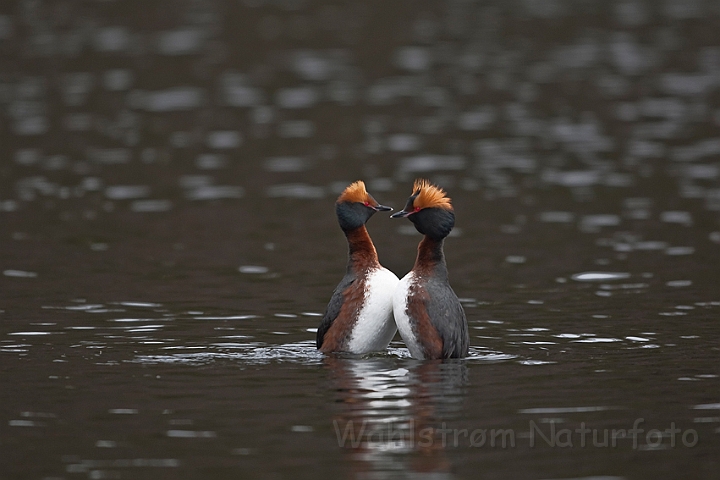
[
  {"x": 359, "y": 317},
  {"x": 428, "y": 314}
]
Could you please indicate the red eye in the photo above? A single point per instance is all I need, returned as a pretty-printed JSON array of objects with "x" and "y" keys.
[
  {"x": 367, "y": 204},
  {"x": 417, "y": 209}
]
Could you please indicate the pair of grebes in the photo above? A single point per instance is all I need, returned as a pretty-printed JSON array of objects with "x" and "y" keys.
[{"x": 370, "y": 304}]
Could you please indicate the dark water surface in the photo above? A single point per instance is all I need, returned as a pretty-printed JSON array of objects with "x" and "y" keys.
[{"x": 168, "y": 240}]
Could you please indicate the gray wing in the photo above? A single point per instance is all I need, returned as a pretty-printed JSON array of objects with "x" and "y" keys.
[
  {"x": 448, "y": 317},
  {"x": 333, "y": 308}
]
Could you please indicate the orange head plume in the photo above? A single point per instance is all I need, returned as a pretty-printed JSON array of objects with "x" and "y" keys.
[
  {"x": 355, "y": 206},
  {"x": 429, "y": 208},
  {"x": 428, "y": 195},
  {"x": 356, "y": 193}
]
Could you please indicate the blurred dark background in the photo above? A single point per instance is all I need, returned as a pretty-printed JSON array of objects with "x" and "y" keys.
[
  {"x": 227, "y": 119},
  {"x": 148, "y": 106},
  {"x": 168, "y": 239}
]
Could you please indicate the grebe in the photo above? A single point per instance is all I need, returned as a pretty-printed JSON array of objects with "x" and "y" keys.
[
  {"x": 359, "y": 317},
  {"x": 427, "y": 312}
]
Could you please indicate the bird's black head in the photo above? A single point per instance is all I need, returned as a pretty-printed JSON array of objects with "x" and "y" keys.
[
  {"x": 355, "y": 206},
  {"x": 434, "y": 222},
  {"x": 430, "y": 210}
]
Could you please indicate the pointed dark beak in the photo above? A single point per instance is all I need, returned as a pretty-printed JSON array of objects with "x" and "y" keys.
[
  {"x": 400, "y": 214},
  {"x": 382, "y": 208}
]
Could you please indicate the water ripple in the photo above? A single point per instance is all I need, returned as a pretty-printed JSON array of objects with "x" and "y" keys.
[{"x": 300, "y": 352}]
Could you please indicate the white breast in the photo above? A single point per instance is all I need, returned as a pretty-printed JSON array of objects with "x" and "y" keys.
[
  {"x": 375, "y": 327},
  {"x": 404, "y": 325}
]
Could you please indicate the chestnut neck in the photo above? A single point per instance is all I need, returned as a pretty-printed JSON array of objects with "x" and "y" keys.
[
  {"x": 361, "y": 251},
  {"x": 431, "y": 257}
]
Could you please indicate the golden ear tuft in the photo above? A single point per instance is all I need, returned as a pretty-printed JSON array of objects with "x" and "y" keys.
[
  {"x": 355, "y": 192},
  {"x": 429, "y": 196}
]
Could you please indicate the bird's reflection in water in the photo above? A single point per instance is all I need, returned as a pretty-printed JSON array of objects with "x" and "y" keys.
[{"x": 392, "y": 418}]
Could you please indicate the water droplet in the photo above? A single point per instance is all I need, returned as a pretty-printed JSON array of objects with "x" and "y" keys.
[
  {"x": 599, "y": 276},
  {"x": 123, "y": 411},
  {"x": 190, "y": 434},
  {"x": 557, "y": 217},
  {"x": 676, "y": 251},
  {"x": 19, "y": 274},
  {"x": 151, "y": 206},
  {"x": 253, "y": 269},
  {"x": 302, "y": 428}
]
